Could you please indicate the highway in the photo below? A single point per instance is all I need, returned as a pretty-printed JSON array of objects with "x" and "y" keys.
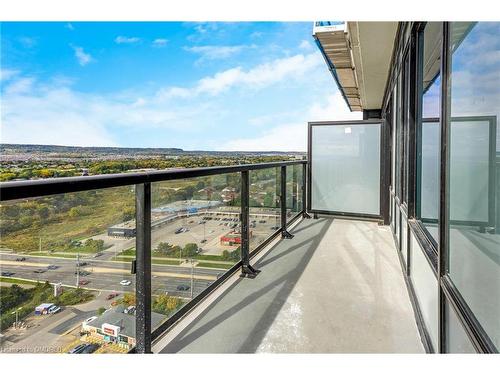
[{"x": 105, "y": 275}]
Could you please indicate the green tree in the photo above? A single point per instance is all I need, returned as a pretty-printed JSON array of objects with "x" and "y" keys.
[
  {"x": 128, "y": 213},
  {"x": 190, "y": 250}
]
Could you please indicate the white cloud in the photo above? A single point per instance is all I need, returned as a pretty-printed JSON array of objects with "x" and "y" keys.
[
  {"x": 216, "y": 52},
  {"x": 292, "y": 136},
  {"x": 20, "y": 86},
  {"x": 27, "y": 42},
  {"x": 306, "y": 45},
  {"x": 7, "y": 74},
  {"x": 127, "y": 40},
  {"x": 54, "y": 113},
  {"x": 82, "y": 57},
  {"x": 50, "y": 116},
  {"x": 287, "y": 137},
  {"x": 335, "y": 109},
  {"x": 257, "y": 77},
  {"x": 159, "y": 42}
]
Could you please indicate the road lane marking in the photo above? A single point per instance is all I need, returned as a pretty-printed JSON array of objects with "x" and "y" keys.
[{"x": 156, "y": 273}]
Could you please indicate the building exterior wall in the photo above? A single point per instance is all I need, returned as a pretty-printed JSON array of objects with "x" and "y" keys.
[{"x": 431, "y": 228}]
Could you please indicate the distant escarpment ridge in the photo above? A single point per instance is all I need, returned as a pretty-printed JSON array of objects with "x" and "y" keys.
[{"x": 6, "y": 149}]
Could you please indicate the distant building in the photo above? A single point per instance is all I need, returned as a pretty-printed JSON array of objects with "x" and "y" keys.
[
  {"x": 116, "y": 326},
  {"x": 163, "y": 215},
  {"x": 126, "y": 230},
  {"x": 228, "y": 194},
  {"x": 232, "y": 239}
]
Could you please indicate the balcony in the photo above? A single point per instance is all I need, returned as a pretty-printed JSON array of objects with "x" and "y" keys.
[
  {"x": 308, "y": 285},
  {"x": 336, "y": 287}
]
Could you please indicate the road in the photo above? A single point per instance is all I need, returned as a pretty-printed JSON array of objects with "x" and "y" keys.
[{"x": 105, "y": 275}]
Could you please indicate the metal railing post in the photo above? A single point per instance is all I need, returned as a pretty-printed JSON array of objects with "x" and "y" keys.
[
  {"x": 284, "y": 232},
  {"x": 246, "y": 269},
  {"x": 143, "y": 268},
  {"x": 305, "y": 215}
]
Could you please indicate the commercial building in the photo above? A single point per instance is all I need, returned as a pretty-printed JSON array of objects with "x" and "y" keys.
[
  {"x": 163, "y": 215},
  {"x": 231, "y": 239},
  {"x": 115, "y": 326}
]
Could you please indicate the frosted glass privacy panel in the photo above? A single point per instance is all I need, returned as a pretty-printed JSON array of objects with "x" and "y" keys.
[
  {"x": 470, "y": 170},
  {"x": 345, "y": 168}
]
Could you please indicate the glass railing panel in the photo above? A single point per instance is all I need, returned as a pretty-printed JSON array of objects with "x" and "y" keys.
[
  {"x": 66, "y": 285},
  {"x": 195, "y": 238},
  {"x": 265, "y": 214},
  {"x": 294, "y": 183}
]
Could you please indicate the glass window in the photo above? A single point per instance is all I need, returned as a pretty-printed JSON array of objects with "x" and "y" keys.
[
  {"x": 474, "y": 233},
  {"x": 428, "y": 150},
  {"x": 397, "y": 116},
  {"x": 345, "y": 165},
  {"x": 426, "y": 289},
  {"x": 405, "y": 125},
  {"x": 456, "y": 338},
  {"x": 393, "y": 136}
]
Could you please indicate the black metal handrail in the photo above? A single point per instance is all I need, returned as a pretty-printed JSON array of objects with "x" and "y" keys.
[{"x": 142, "y": 181}]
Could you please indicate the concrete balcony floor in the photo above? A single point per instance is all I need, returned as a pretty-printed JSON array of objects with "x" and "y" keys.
[{"x": 336, "y": 287}]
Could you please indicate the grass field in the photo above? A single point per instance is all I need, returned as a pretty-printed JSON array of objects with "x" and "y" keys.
[
  {"x": 107, "y": 209},
  {"x": 170, "y": 262}
]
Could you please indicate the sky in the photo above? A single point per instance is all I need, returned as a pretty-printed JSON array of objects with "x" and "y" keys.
[{"x": 197, "y": 86}]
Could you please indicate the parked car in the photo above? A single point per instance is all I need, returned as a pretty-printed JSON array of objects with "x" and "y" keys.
[
  {"x": 203, "y": 241},
  {"x": 112, "y": 295},
  {"x": 96, "y": 255},
  {"x": 180, "y": 230},
  {"x": 83, "y": 282},
  {"x": 7, "y": 273},
  {"x": 83, "y": 273},
  {"x": 77, "y": 349},
  {"x": 183, "y": 287},
  {"x": 129, "y": 310},
  {"x": 54, "y": 309},
  {"x": 125, "y": 282},
  {"x": 89, "y": 348},
  {"x": 20, "y": 259}
]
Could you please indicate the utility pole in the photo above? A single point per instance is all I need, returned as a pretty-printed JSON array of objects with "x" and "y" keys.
[
  {"x": 78, "y": 269},
  {"x": 40, "y": 245},
  {"x": 16, "y": 325}
]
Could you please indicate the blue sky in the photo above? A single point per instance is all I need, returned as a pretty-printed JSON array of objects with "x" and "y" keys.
[{"x": 204, "y": 86}]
